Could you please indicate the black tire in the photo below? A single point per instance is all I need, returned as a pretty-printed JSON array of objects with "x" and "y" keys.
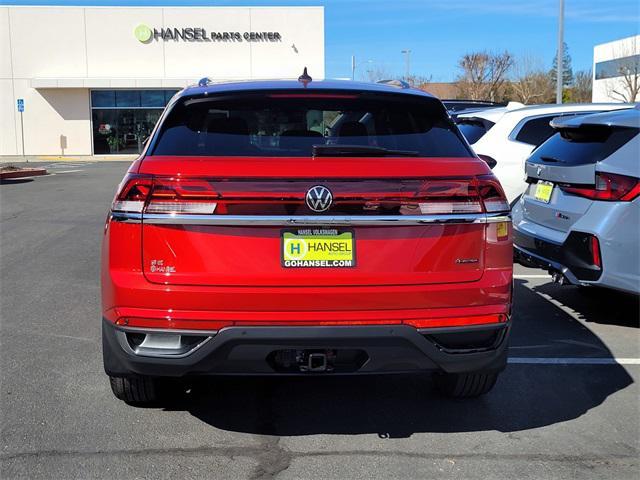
[
  {"x": 465, "y": 385},
  {"x": 135, "y": 390}
]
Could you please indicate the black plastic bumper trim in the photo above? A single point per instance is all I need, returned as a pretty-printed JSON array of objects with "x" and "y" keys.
[{"x": 244, "y": 350}]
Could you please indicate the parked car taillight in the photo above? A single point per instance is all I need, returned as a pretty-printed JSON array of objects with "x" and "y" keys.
[
  {"x": 492, "y": 194},
  {"x": 132, "y": 194},
  {"x": 609, "y": 187},
  {"x": 140, "y": 193}
]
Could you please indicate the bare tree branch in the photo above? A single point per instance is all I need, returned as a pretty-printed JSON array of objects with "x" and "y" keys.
[
  {"x": 483, "y": 74},
  {"x": 625, "y": 86}
]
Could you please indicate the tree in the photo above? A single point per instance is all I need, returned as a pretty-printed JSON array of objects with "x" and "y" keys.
[
  {"x": 567, "y": 71},
  {"x": 582, "y": 85},
  {"x": 625, "y": 86},
  {"x": 483, "y": 74},
  {"x": 531, "y": 83},
  {"x": 377, "y": 72},
  {"x": 417, "y": 81}
]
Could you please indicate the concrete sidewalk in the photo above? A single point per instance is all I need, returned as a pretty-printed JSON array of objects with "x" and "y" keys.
[{"x": 66, "y": 158}]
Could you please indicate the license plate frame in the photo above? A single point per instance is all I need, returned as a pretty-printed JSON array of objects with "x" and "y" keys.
[
  {"x": 543, "y": 191},
  {"x": 310, "y": 247}
]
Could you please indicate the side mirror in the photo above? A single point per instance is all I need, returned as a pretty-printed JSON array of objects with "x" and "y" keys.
[{"x": 490, "y": 161}]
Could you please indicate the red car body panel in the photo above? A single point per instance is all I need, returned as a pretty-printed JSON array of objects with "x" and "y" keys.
[{"x": 224, "y": 276}]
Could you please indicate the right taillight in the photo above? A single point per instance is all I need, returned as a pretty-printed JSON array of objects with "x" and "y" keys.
[
  {"x": 141, "y": 193},
  {"x": 609, "y": 187}
]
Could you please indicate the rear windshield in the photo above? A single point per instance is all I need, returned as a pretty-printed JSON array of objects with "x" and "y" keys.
[
  {"x": 585, "y": 145},
  {"x": 290, "y": 124},
  {"x": 474, "y": 130}
]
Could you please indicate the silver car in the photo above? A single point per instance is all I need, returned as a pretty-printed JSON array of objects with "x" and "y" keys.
[{"x": 579, "y": 217}]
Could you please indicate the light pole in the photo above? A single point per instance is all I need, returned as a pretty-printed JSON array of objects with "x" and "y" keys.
[
  {"x": 559, "y": 58},
  {"x": 407, "y": 63}
]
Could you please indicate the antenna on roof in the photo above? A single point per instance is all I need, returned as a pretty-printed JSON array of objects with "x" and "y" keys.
[
  {"x": 203, "y": 82},
  {"x": 305, "y": 79}
]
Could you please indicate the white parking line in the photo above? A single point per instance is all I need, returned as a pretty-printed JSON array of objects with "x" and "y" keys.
[
  {"x": 532, "y": 276},
  {"x": 573, "y": 361},
  {"x": 68, "y": 171}
]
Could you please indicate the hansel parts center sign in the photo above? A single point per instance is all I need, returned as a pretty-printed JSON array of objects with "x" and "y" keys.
[{"x": 146, "y": 34}]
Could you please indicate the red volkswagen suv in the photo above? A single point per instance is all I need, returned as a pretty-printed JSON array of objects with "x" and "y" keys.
[{"x": 306, "y": 228}]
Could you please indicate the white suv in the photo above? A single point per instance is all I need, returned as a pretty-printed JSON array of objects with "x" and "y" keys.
[{"x": 510, "y": 135}]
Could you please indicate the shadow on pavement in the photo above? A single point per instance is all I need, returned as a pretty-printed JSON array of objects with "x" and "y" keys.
[
  {"x": 525, "y": 397},
  {"x": 15, "y": 181},
  {"x": 598, "y": 305}
]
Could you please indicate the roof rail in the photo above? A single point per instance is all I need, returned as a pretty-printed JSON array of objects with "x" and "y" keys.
[
  {"x": 203, "y": 82},
  {"x": 395, "y": 83}
]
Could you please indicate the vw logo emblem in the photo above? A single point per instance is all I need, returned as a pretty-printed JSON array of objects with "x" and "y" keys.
[
  {"x": 319, "y": 198},
  {"x": 539, "y": 171}
]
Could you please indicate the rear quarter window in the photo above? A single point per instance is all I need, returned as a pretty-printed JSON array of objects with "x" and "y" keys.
[
  {"x": 289, "y": 124},
  {"x": 474, "y": 130}
]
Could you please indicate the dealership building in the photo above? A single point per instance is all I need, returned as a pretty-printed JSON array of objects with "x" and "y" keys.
[
  {"x": 94, "y": 80},
  {"x": 616, "y": 70}
]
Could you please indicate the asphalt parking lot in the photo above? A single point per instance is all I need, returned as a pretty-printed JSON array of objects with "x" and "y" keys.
[{"x": 566, "y": 407}]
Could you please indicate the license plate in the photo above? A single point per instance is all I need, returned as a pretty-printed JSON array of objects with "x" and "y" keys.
[
  {"x": 543, "y": 191},
  {"x": 318, "y": 248}
]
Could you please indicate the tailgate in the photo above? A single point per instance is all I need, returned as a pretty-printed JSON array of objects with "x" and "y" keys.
[{"x": 244, "y": 241}]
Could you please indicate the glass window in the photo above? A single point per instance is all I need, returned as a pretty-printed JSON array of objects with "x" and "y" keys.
[
  {"x": 122, "y": 130},
  {"x": 585, "y": 145},
  {"x": 103, "y": 98},
  {"x": 474, "y": 130},
  {"x": 535, "y": 131},
  {"x": 127, "y": 98},
  {"x": 279, "y": 124},
  {"x": 168, "y": 95},
  {"x": 618, "y": 67},
  {"x": 152, "y": 98},
  {"x": 122, "y": 120}
]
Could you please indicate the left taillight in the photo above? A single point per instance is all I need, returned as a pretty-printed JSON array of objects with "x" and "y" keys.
[
  {"x": 141, "y": 193},
  {"x": 132, "y": 194}
]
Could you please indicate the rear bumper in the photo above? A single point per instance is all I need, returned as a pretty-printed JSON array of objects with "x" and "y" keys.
[
  {"x": 248, "y": 350},
  {"x": 567, "y": 258}
]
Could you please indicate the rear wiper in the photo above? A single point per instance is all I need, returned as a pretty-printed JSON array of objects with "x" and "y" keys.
[{"x": 359, "y": 150}]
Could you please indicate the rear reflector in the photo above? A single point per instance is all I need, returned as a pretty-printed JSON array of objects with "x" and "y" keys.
[
  {"x": 184, "y": 324},
  {"x": 595, "y": 251}
]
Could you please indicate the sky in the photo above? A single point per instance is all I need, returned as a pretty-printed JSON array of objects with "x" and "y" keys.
[{"x": 439, "y": 32}]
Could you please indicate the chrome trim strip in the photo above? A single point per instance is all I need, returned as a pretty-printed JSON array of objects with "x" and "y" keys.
[
  {"x": 341, "y": 220},
  {"x": 121, "y": 336},
  {"x": 126, "y": 217},
  {"x": 284, "y": 220}
]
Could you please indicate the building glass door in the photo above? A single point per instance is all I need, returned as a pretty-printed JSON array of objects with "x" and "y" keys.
[{"x": 122, "y": 120}]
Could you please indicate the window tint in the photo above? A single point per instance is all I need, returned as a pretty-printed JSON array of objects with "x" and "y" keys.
[
  {"x": 290, "y": 124},
  {"x": 587, "y": 144},
  {"x": 536, "y": 131},
  {"x": 617, "y": 67},
  {"x": 103, "y": 98},
  {"x": 130, "y": 98},
  {"x": 474, "y": 130}
]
